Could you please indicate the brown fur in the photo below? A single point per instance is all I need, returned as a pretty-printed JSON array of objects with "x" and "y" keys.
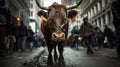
[{"x": 56, "y": 17}]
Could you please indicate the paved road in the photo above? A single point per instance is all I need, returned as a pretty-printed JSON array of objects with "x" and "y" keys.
[
  {"x": 73, "y": 58},
  {"x": 99, "y": 59},
  {"x": 79, "y": 58}
]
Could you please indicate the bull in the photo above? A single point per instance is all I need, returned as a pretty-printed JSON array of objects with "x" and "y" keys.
[{"x": 55, "y": 30}]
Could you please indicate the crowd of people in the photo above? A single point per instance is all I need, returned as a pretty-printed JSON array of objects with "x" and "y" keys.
[
  {"x": 15, "y": 35},
  {"x": 91, "y": 35},
  {"x": 19, "y": 38}
]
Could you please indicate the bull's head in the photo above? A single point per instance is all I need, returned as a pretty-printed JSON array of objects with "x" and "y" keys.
[{"x": 57, "y": 20}]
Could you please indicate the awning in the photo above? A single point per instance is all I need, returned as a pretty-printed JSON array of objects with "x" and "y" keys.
[{"x": 33, "y": 20}]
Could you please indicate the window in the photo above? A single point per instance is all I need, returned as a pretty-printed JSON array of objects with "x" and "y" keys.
[
  {"x": 100, "y": 22},
  {"x": 31, "y": 5},
  {"x": 31, "y": 13},
  {"x": 103, "y": 19},
  {"x": 91, "y": 1}
]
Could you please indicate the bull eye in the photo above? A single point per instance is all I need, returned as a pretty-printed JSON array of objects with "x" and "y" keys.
[
  {"x": 51, "y": 25},
  {"x": 57, "y": 10}
]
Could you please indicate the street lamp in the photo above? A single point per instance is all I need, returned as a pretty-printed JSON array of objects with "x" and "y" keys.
[{"x": 19, "y": 18}]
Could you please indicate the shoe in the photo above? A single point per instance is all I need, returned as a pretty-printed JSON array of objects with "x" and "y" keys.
[
  {"x": 31, "y": 49},
  {"x": 91, "y": 52}
]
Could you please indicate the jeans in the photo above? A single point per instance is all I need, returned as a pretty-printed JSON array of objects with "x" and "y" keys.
[
  {"x": 30, "y": 44},
  {"x": 94, "y": 42},
  {"x": 23, "y": 42},
  {"x": 88, "y": 42}
]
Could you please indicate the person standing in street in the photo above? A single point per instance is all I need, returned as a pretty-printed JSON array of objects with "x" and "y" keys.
[
  {"x": 22, "y": 34},
  {"x": 4, "y": 20},
  {"x": 73, "y": 28},
  {"x": 11, "y": 36},
  {"x": 86, "y": 32},
  {"x": 30, "y": 37},
  {"x": 116, "y": 21},
  {"x": 72, "y": 20}
]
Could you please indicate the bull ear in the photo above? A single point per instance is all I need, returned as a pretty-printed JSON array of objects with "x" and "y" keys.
[
  {"x": 42, "y": 13},
  {"x": 41, "y": 7},
  {"x": 75, "y": 6}
]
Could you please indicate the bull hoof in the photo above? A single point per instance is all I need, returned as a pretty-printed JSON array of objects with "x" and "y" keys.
[
  {"x": 55, "y": 58},
  {"x": 49, "y": 62},
  {"x": 62, "y": 63}
]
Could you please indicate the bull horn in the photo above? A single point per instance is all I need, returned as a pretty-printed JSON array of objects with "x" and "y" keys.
[
  {"x": 75, "y": 6},
  {"x": 41, "y": 7}
]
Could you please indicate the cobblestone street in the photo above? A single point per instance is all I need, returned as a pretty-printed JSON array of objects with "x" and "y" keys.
[{"x": 73, "y": 58}]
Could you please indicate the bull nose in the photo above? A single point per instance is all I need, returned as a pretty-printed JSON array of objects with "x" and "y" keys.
[{"x": 58, "y": 36}]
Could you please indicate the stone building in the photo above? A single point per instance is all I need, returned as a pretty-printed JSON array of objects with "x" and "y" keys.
[
  {"x": 64, "y": 2},
  {"x": 34, "y": 18},
  {"x": 98, "y": 12},
  {"x": 19, "y": 8},
  {"x": 70, "y": 3}
]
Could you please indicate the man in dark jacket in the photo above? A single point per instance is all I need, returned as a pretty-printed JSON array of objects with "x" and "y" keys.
[
  {"x": 75, "y": 36},
  {"x": 22, "y": 35},
  {"x": 86, "y": 31},
  {"x": 11, "y": 36},
  {"x": 108, "y": 33},
  {"x": 30, "y": 37},
  {"x": 116, "y": 21},
  {"x": 4, "y": 19}
]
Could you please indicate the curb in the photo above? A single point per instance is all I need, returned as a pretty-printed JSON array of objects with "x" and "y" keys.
[{"x": 34, "y": 59}]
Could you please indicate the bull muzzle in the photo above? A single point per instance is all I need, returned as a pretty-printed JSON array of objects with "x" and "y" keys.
[{"x": 58, "y": 37}]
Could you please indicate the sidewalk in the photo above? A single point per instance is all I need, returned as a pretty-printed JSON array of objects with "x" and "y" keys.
[{"x": 18, "y": 58}]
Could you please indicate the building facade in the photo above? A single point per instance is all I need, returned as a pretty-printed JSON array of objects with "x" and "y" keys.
[
  {"x": 98, "y": 12},
  {"x": 71, "y": 3},
  {"x": 64, "y": 2},
  {"x": 19, "y": 8},
  {"x": 35, "y": 19}
]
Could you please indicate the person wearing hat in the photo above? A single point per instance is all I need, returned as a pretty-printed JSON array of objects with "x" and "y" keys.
[{"x": 86, "y": 32}]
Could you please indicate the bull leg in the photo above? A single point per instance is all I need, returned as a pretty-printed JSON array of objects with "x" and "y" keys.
[
  {"x": 55, "y": 54},
  {"x": 61, "y": 58},
  {"x": 50, "y": 61}
]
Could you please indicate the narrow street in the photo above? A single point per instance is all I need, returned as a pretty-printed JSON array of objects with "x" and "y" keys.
[
  {"x": 89, "y": 30},
  {"x": 73, "y": 58},
  {"x": 17, "y": 59}
]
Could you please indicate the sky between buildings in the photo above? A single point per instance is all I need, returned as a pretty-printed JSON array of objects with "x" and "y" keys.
[{"x": 50, "y": 2}]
